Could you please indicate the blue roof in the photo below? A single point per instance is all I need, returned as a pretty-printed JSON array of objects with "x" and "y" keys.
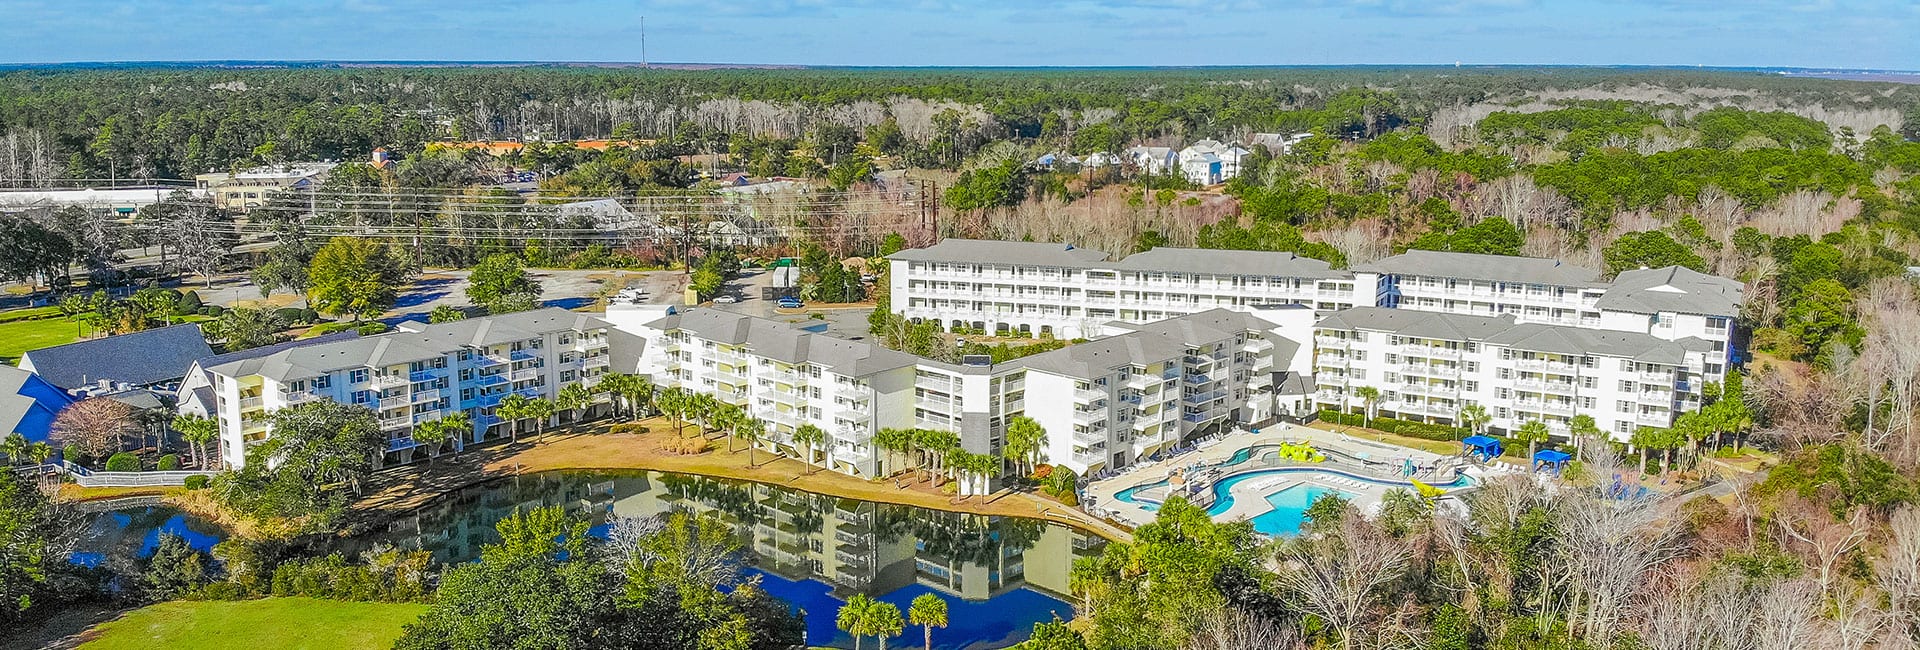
[
  {"x": 141, "y": 358},
  {"x": 1551, "y": 456},
  {"x": 1481, "y": 441},
  {"x": 28, "y": 404}
]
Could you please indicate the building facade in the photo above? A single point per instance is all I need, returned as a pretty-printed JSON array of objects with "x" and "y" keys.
[
  {"x": 417, "y": 374},
  {"x": 1427, "y": 367}
]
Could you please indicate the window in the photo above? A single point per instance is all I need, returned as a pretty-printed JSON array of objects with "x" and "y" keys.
[
  {"x": 1470, "y": 386},
  {"x": 1623, "y": 406},
  {"x": 1359, "y": 355},
  {"x": 1589, "y": 382},
  {"x": 1503, "y": 393},
  {"x": 566, "y": 338},
  {"x": 322, "y": 381},
  {"x": 361, "y": 396},
  {"x": 1586, "y": 402},
  {"x": 358, "y": 376},
  {"x": 566, "y": 375},
  {"x": 466, "y": 394},
  {"x": 1626, "y": 386}
]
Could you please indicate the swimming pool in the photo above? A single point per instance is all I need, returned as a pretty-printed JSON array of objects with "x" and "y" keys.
[{"x": 1288, "y": 506}]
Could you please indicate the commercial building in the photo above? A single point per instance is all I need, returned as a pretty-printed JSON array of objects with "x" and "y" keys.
[
  {"x": 419, "y": 373},
  {"x": 243, "y": 191},
  {"x": 1427, "y": 367}
]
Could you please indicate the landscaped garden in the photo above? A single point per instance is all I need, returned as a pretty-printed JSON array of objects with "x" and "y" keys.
[{"x": 280, "y": 623}]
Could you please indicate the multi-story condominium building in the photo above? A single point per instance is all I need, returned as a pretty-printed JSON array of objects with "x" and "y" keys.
[
  {"x": 789, "y": 377},
  {"x": 1062, "y": 291},
  {"x": 1668, "y": 303},
  {"x": 1428, "y": 366},
  {"x": 1104, "y": 403},
  {"x": 419, "y": 373}
]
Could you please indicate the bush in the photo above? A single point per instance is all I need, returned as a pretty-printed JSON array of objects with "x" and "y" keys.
[
  {"x": 291, "y": 315},
  {"x": 123, "y": 462},
  {"x": 329, "y": 328},
  {"x": 190, "y": 303},
  {"x": 628, "y": 427},
  {"x": 370, "y": 329},
  {"x": 169, "y": 462},
  {"x": 687, "y": 446},
  {"x": 212, "y": 310},
  {"x": 309, "y": 316},
  {"x": 1420, "y": 430},
  {"x": 197, "y": 482}
]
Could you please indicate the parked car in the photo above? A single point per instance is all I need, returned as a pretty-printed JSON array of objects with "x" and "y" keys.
[
  {"x": 725, "y": 299},
  {"x": 791, "y": 303}
]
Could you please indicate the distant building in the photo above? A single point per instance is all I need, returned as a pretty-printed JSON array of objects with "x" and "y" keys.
[
  {"x": 245, "y": 190},
  {"x": 196, "y": 388},
  {"x": 1209, "y": 162},
  {"x": 609, "y": 216},
  {"x": 1153, "y": 160},
  {"x": 28, "y": 404},
  {"x": 148, "y": 359},
  {"x": 122, "y": 201},
  {"x": 1279, "y": 143}
]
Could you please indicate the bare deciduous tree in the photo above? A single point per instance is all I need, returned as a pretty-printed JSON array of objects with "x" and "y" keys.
[
  {"x": 1339, "y": 575},
  {"x": 1898, "y": 572},
  {"x": 1808, "y": 529},
  {"x": 1232, "y": 629},
  {"x": 95, "y": 427}
]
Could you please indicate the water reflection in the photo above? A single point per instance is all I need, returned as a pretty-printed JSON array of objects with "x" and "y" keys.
[
  {"x": 999, "y": 574},
  {"x": 134, "y": 533}
]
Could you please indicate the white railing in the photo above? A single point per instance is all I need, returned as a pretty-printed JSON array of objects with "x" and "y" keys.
[{"x": 88, "y": 478}]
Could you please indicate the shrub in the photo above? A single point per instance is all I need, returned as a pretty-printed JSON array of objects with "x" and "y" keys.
[
  {"x": 197, "y": 482},
  {"x": 370, "y": 329},
  {"x": 190, "y": 303},
  {"x": 687, "y": 446},
  {"x": 123, "y": 462},
  {"x": 309, "y": 316},
  {"x": 291, "y": 315},
  {"x": 628, "y": 427},
  {"x": 329, "y": 328},
  {"x": 169, "y": 462},
  {"x": 212, "y": 310}
]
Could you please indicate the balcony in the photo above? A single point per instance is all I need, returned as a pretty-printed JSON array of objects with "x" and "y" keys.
[
  {"x": 786, "y": 397},
  {"x": 1200, "y": 418},
  {"x": 524, "y": 355},
  {"x": 487, "y": 360},
  {"x": 395, "y": 402},
  {"x": 1430, "y": 351},
  {"x": 389, "y": 381},
  {"x": 1198, "y": 379},
  {"x": 1131, "y": 398},
  {"x": 1203, "y": 398},
  {"x": 1544, "y": 365},
  {"x": 1090, "y": 438},
  {"x": 1654, "y": 419},
  {"x": 1434, "y": 370},
  {"x": 601, "y": 362},
  {"x": 396, "y": 422},
  {"x": 250, "y": 403},
  {"x": 426, "y": 374},
  {"x": 424, "y": 396},
  {"x": 485, "y": 379},
  {"x": 1257, "y": 346},
  {"x": 787, "y": 377},
  {"x": 1089, "y": 418},
  {"x": 298, "y": 397},
  {"x": 524, "y": 374},
  {"x": 1332, "y": 342},
  {"x": 1657, "y": 378},
  {"x": 1088, "y": 395}
]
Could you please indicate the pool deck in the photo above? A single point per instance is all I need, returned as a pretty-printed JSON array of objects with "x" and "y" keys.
[{"x": 1250, "y": 496}]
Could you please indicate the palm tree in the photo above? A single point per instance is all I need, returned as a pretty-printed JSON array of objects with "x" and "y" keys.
[
  {"x": 197, "y": 431},
  {"x": 574, "y": 399},
  {"x": 540, "y": 409},
  {"x": 40, "y": 452},
  {"x": 928, "y": 611},
  {"x": 457, "y": 424},
  {"x": 1474, "y": 416},
  {"x": 1642, "y": 439},
  {"x": 15, "y": 447},
  {"x": 1370, "y": 396},
  {"x": 673, "y": 402},
  {"x": 864, "y": 616},
  {"x": 513, "y": 408},
  {"x": 810, "y": 437},
  {"x": 750, "y": 429},
  {"x": 1024, "y": 438},
  {"x": 702, "y": 407},
  {"x": 431, "y": 434},
  {"x": 1533, "y": 433},
  {"x": 894, "y": 442},
  {"x": 616, "y": 384}
]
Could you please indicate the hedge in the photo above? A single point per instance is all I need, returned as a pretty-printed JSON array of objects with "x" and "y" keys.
[
  {"x": 1421, "y": 430},
  {"x": 197, "y": 482},
  {"x": 123, "y": 462},
  {"x": 169, "y": 462}
]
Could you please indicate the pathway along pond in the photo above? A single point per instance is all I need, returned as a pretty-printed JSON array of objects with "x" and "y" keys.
[{"x": 999, "y": 575}]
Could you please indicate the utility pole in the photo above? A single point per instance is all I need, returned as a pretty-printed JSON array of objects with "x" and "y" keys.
[{"x": 643, "y": 42}]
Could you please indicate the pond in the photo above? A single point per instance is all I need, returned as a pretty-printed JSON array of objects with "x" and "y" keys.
[
  {"x": 134, "y": 532},
  {"x": 999, "y": 575}
]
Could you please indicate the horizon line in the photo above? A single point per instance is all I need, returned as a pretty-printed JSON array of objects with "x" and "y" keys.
[{"x": 695, "y": 65}]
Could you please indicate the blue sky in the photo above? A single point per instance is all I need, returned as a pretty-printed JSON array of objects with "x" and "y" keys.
[{"x": 1813, "y": 33}]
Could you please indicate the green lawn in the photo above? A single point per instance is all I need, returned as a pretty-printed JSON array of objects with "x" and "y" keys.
[
  {"x": 279, "y": 623},
  {"x": 18, "y": 337}
]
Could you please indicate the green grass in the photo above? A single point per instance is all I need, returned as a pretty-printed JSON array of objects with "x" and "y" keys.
[
  {"x": 29, "y": 313},
  {"x": 279, "y": 623},
  {"x": 18, "y": 337}
]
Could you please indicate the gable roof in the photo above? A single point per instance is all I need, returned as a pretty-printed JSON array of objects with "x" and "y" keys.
[
  {"x": 28, "y": 404},
  {"x": 142, "y": 358},
  {"x": 1475, "y": 266},
  {"x": 1676, "y": 289},
  {"x": 203, "y": 365},
  {"x": 1228, "y": 262},
  {"x": 1150, "y": 343},
  {"x": 1003, "y": 252},
  {"x": 1503, "y": 331},
  {"x": 413, "y": 342},
  {"x": 785, "y": 343}
]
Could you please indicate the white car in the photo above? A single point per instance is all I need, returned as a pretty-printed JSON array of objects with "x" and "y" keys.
[{"x": 725, "y": 300}]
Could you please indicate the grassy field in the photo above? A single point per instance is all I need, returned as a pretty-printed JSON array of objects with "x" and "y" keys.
[
  {"x": 280, "y": 623},
  {"x": 18, "y": 337}
]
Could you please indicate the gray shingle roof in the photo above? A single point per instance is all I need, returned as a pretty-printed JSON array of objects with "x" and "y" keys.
[
  {"x": 1676, "y": 289},
  {"x": 786, "y": 343},
  {"x": 1003, "y": 252},
  {"x": 1503, "y": 331},
  {"x": 1473, "y": 266},
  {"x": 428, "y": 342},
  {"x": 142, "y": 358},
  {"x": 1149, "y": 343},
  {"x": 1228, "y": 262}
]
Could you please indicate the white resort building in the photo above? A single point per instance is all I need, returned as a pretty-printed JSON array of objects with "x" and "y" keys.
[{"x": 416, "y": 374}]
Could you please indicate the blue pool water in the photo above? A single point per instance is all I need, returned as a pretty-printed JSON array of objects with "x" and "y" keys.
[{"x": 1289, "y": 505}]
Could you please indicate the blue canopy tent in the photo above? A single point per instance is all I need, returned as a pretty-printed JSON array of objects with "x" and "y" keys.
[
  {"x": 1485, "y": 448},
  {"x": 1551, "y": 460}
]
